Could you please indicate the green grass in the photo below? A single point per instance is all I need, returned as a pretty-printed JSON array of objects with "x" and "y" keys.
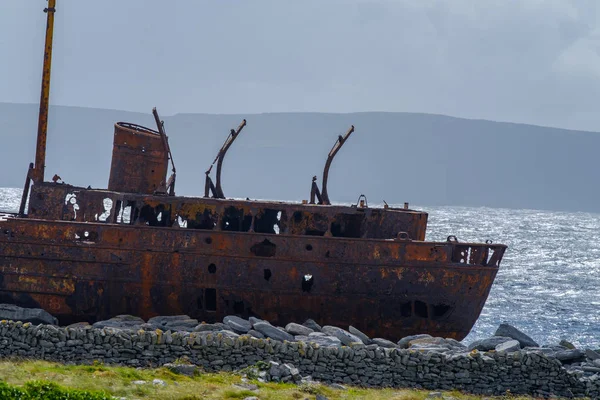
[
  {"x": 98, "y": 382},
  {"x": 47, "y": 391}
]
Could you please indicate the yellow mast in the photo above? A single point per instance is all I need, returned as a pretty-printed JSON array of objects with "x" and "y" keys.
[{"x": 40, "y": 151}]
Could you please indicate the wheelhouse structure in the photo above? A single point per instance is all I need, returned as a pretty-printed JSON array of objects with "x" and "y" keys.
[{"x": 137, "y": 248}]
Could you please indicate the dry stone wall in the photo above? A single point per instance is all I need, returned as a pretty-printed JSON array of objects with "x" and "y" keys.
[{"x": 431, "y": 363}]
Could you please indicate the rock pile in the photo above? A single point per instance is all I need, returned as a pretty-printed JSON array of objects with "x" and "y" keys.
[
  {"x": 509, "y": 361},
  {"x": 33, "y": 315}
]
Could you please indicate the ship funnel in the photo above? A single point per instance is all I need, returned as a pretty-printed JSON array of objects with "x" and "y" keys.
[{"x": 139, "y": 160}]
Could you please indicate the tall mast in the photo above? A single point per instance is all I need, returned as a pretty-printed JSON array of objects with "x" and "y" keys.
[{"x": 40, "y": 151}]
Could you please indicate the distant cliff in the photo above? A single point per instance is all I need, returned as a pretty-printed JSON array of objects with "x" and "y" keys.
[{"x": 420, "y": 158}]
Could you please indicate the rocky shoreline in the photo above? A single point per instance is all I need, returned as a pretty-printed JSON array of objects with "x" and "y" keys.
[{"x": 508, "y": 361}]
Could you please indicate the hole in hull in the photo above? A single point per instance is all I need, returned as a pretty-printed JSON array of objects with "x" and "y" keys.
[
  {"x": 440, "y": 310},
  {"x": 421, "y": 309},
  {"x": 210, "y": 299},
  {"x": 406, "y": 309},
  {"x": 108, "y": 205},
  {"x": 264, "y": 249},
  {"x": 307, "y": 282}
]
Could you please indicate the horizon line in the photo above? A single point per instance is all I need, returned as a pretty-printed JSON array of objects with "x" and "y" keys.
[{"x": 310, "y": 112}]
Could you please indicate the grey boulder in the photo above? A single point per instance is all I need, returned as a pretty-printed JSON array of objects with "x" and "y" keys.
[
  {"x": 437, "y": 341},
  {"x": 209, "y": 327},
  {"x": 284, "y": 372},
  {"x": 384, "y": 343},
  {"x": 365, "y": 339},
  {"x": 254, "y": 320},
  {"x": 325, "y": 341},
  {"x": 592, "y": 355},
  {"x": 512, "y": 332},
  {"x": 237, "y": 324},
  {"x": 570, "y": 355},
  {"x": 309, "y": 323},
  {"x": 121, "y": 322},
  {"x": 182, "y": 369},
  {"x": 228, "y": 333},
  {"x": 290, "y": 370},
  {"x": 272, "y": 332},
  {"x": 168, "y": 319},
  {"x": 297, "y": 329},
  {"x": 544, "y": 350},
  {"x": 345, "y": 337},
  {"x": 404, "y": 342},
  {"x": 508, "y": 347},
  {"x": 488, "y": 343},
  {"x": 35, "y": 316},
  {"x": 256, "y": 334},
  {"x": 174, "y": 323},
  {"x": 431, "y": 349},
  {"x": 566, "y": 344},
  {"x": 80, "y": 325},
  {"x": 187, "y": 326}
]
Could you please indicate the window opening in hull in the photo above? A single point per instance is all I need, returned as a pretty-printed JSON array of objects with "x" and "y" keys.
[
  {"x": 421, "y": 309},
  {"x": 307, "y": 282},
  {"x": 210, "y": 299}
]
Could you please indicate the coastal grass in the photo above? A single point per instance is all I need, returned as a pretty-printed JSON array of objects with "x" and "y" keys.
[{"x": 46, "y": 380}]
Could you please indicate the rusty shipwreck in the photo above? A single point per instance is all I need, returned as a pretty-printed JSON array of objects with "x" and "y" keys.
[{"x": 136, "y": 248}]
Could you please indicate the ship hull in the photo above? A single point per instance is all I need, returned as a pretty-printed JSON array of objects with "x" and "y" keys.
[{"x": 387, "y": 288}]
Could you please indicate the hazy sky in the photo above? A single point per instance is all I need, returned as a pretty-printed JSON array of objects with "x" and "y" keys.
[{"x": 532, "y": 61}]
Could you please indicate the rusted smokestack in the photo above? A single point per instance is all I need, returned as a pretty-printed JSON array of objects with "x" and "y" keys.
[{"x": 139, "y": 160}]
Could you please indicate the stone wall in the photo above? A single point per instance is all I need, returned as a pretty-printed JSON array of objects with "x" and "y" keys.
[{"x": 493, "y": 372}]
